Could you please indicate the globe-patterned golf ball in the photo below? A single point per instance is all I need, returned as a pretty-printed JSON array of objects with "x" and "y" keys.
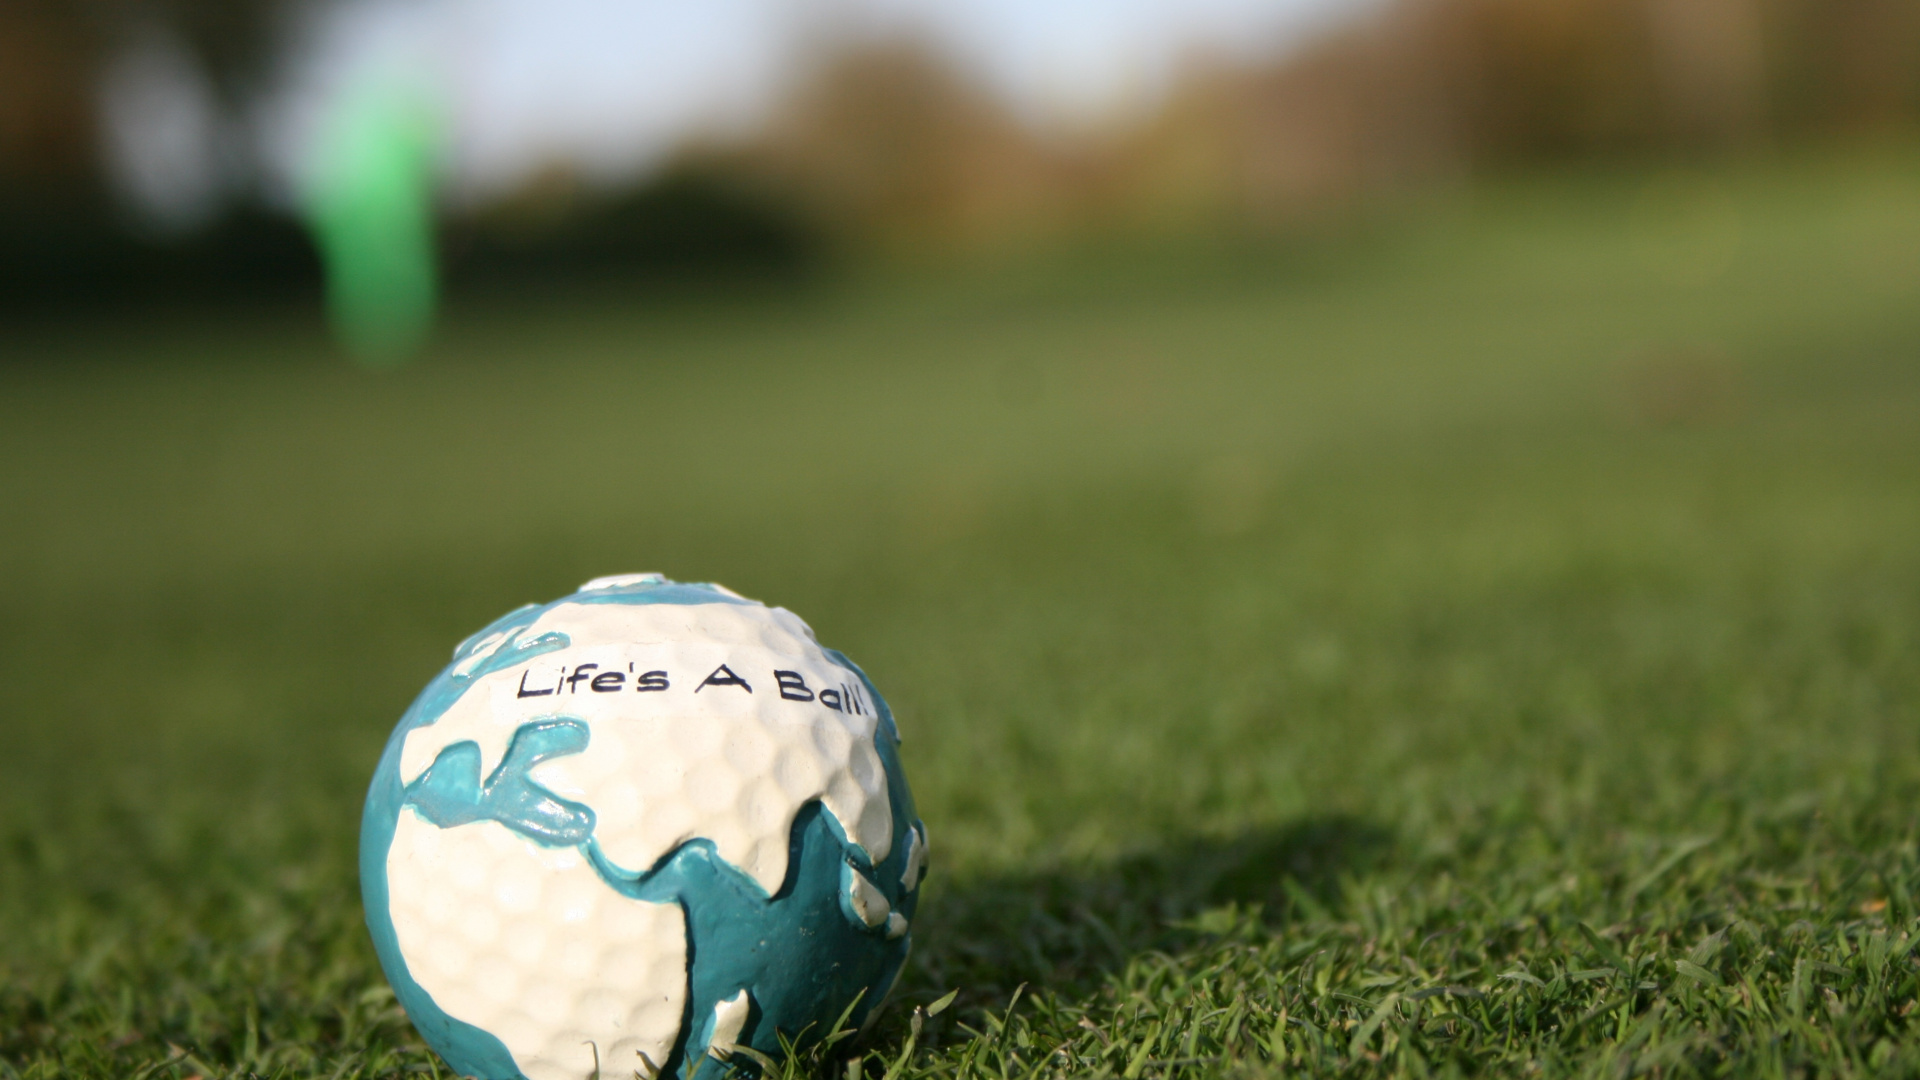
[{"x": 643, "y": 825}]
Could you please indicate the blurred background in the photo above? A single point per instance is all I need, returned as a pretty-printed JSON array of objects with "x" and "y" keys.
[{"x": 154, "y": 150}]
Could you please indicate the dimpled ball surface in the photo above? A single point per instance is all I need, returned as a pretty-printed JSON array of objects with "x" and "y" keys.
[{"x": 643, "y": 824}]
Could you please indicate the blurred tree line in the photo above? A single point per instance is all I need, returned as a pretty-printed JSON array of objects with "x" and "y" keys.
[
  {"x": 51, "y": 56},
  {"x": 893, "y": 146},
  {"x": 64, "y": 234},
  {"x": 888, "y": 147}
]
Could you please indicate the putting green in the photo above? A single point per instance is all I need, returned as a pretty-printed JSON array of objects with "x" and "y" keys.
[{"x": 1485, "y": 642}]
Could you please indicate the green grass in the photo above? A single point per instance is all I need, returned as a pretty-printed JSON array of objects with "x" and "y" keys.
[{"x": 1486, "y": 644}]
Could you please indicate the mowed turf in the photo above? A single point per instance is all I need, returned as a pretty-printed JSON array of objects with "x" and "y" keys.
[{"x": 1487, "y": 643}]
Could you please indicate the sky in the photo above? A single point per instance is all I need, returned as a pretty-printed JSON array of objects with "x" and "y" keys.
[{"x": 611, "y": 88}]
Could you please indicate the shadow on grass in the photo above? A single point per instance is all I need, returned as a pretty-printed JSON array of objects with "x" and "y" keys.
[{"x": 1066, "y": 927}]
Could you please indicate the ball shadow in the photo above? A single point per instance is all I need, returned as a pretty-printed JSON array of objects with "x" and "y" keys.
[{"x": 1066, "y": 927}]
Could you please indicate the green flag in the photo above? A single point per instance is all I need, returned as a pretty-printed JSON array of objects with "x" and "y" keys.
[{"x": 370, "y": 208}]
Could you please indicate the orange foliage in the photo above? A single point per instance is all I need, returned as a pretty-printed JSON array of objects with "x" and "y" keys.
[
  {"x": 46, "y": 95},
  {"x": 892, "y": 146}
]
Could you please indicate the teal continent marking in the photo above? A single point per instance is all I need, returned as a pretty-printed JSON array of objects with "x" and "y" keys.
[{"x": 450, "y": 793}]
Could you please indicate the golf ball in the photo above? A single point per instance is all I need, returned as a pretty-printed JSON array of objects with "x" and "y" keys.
[{"x": 643, "y": 825}]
